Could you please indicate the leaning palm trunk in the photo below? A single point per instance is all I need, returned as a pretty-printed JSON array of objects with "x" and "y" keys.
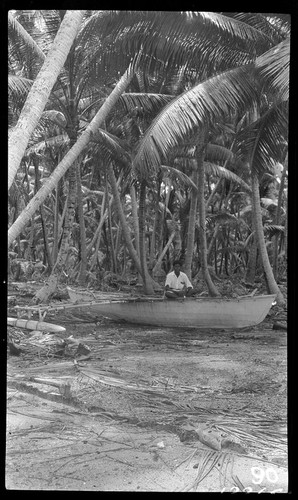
[
  {"x": 161, "y": 256},
  {"x": 270, "y": 280},
  {"x": 121, "y": 215},
  {"x": 71, "y": 156},
  {"x": 41, "y": 89},
  {"x": 50, "y": 286},
  {"x": 252, "y": 261}
]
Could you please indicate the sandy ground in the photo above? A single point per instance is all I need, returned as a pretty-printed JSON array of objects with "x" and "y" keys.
[{"x": 152, "y": 410}]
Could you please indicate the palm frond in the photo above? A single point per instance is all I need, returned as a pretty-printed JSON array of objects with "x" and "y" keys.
[
  {"x": 19, "y": 86},
  {"x": 52, "y": 21},
  {"x": 146, "y": 102},
  {"x": 273, "y": 230},
  {"x": 259, "y": 143},
  {"x": 224, "y": 173},
  {"x": 215, "y": 152},
  {"x": 205, "y": 42},
  {"x": 222, "y": 218},
  {"x": 274, "y": 66},
  {"x": 112, "y": 146},
  {"x": 26, "y": 37},
  {"x": 197, "y": 107},
  {"x": 248, "y": 210},
  {"x": 275, "y": 27},
  {"x": 51, "y": 142},
  {"x": 173, "y": 173}
]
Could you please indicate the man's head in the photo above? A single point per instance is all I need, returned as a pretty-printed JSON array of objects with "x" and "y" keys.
[{"x": 177, "y": 266}]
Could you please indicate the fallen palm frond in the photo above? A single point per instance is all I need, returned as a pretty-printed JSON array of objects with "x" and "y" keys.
[
  {"x": 223, "y": 469},
  {"x": 187, "y": 459},
  {"x": 238, "y": 483},
  {"x": 206, "y": 465}
]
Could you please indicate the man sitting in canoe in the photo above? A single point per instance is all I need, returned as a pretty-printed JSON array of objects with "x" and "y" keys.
[{"x": 177, "y": 283}]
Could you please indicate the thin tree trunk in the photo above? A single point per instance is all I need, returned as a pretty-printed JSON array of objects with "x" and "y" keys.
[
  {"x": 135, "y": 219},
  {"x": 71, "y": 156},
  {"x": 83, "y": 245},
  {"x": 212, "y": 241},
  {"x": 148, "y": 288},
  {"x": 161, "y": 256},
  {"x": 191, "y": 221},
  {"x": 98, "y": 238},
  {"x": 117, "y": 245},
  {"x": 155, "y": 225},
  {"x": 103, "y": 215},
  {"x": 253, "y": 253},
  {"x": 286, "y": 230},
  {"x": 277, "y": 217},
  {"x": 269, "y": 276},
  {"x": 41, "y": 89},
  {"x": 56, "y": 226},
  {"x": 202, "y": 225},
  {"x": 162, "y": 218},
  {"x": 42, "y": 217},
  {"x": 111, "y": 237},
  {"x": 50, "y": 286},
  {"x": 121, "y": 215}
]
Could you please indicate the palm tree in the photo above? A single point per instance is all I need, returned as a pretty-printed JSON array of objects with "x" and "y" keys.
[
  {"x": 130, "y": 31},
  {"x": 70, "y": 157},
  {"x": 162, "y": 27},
  {"x": 41, "y": 89},
  {"x": 207, "y": 101}
]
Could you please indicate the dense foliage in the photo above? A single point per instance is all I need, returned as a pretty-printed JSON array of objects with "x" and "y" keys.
[{"x": 213, "y": 98}]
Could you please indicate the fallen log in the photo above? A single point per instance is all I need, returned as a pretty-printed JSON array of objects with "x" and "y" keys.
[{"x": 35, "y": 325}]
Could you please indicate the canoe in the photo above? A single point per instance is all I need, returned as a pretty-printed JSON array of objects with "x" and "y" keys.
[{"x": 205, "y": 312}]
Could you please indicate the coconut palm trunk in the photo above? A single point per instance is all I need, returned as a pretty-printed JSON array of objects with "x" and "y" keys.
[
  {"x": 54, "y": 253},
  {"x": 256, "y": 205},
  {"x": 148, "y": 287},
  {"x": 71, "y": 156},
  {"x": 202, "y": 225},
  {"x": 277, "y": 217},
  {"x": 161, "y": 256},
  {"x": 252, "y": 259},
  {"x": 83, "y": 244},
  {"x": 135, "y": 219},
  {"x": 126, "y": 233},
  {"x": 191, "y": 221},
  {"x": 50, "y": 286},
  {"x": 41, "y": 89}
]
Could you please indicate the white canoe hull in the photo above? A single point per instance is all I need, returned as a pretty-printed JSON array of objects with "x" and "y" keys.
[
  {"x": 190, "y": 312},
  {"x": 30, "y": 324}
]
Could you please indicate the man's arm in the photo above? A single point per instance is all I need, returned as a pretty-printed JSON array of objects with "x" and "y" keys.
[
  {"x": 168, "y": 282},
  {"x": 186, "y": 281}
]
